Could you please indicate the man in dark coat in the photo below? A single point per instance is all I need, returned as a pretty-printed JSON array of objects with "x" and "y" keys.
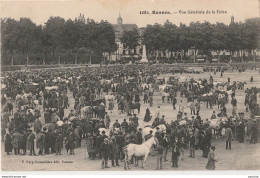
[
  {"x": 30, "y": 141},
  {"x": 105, "y": 153},
  {"x": 15, "y": 142},
  {"x": 30, "y": 117},
  {"x": 71, "y": 138},
  {"x": 124, "y": 126},
  {"x": 8, "y": 144},
  {"x": 98, "y": 141},
  {"x": 22, "y": 144},
  {"x": 40, "y": 142},
  {"x": 175, "y": 152},
  {"x": 192, "y": 145},
  {"x": 121, "y": 143},
  {"x": 139, "y": 136},
  {"x": 59, "y": 143},
  {"x": 228, "y": 137},
  {"x": 114, "y": 152},
  {"x": 89, "y": 128},
  {"x": 204, "y": 145},
  {"x": 240, "y": 132},
  {"x": 254, "y": 133},
  {"x": 47, "y": 141}
]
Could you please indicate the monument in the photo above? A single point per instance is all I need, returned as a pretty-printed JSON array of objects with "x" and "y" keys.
[{"x": 144, "y": 58}]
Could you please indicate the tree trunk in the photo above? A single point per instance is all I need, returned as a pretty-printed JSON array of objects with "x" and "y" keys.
[
  {"x": 90, "y": 58},
  {"x": 254, "y": 55},
  {"x": 59, "y": 59},
  {"x": 230, "y": 56},
  {"x": 242, "y": 51},
  {"x": 12, "y": 59},
  {"x": 27, "y": 59},
  {"x": 180, "y": 53},
  {"x": 218, "y": 56},
  {"x": 76, "y": 58},
  {"x": 195, "y": 51},
  {"x": 44, "y": 59}
]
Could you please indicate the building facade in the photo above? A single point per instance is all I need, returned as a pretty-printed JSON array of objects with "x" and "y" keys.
[{"x": 121, "y": 52}]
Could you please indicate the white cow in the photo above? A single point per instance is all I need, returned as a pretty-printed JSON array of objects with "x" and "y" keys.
[
  {"x": 163, "y": 87},
  {"x": 107, "y": 131},
  {"x": 110, "y": 97}
]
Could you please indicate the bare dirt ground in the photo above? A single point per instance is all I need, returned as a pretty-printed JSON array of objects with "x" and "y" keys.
[{"x": 242, "y": 156}]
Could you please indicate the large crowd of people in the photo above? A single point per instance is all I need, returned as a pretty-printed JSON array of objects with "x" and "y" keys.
[{"x": 52, "y": 109}]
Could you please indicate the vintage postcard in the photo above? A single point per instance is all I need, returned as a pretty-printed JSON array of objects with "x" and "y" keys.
[{"x": 136, "y": 85}]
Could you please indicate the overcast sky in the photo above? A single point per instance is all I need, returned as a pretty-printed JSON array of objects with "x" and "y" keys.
[{"x": 39, "y": 12}]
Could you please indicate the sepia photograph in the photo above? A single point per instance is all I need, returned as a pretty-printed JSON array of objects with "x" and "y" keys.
[{"x": 130, "y": 85}]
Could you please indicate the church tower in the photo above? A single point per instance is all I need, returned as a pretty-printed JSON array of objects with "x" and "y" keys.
[
  {"x": 119, "y": 20},
  {"x": 232, "y": 19}
]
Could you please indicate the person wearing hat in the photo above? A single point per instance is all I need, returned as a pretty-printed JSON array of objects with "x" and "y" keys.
[
  {"x": 8, "y": 143},
  {"x": 107, "y": 120},
  {"x": 104, "y": 135},
  {"x": 228, "y": 137},
  {"x": 71, "y": 113},
  {"x": 98, "y": 142},
  {"x": 162, "y": 121},
  {"x": 30, "y": 141},
  {"x": 165, "y": 144},
  {"x": 90, "y": 146},
  {"x": 71, "y": 138},
  {"x": 139, "y": 136},
  {"x": 159, "y": 149},
  {"x": 114, "y": 152},
  {"x": 40, "y": 141},
  {"x": 116, "y": 124},
  {"x": 120, "y": 139},
  {"x": 59, "y": 143},
  {"x": 175, "y": 152},
  {"x": 89, "y": 128},
  {"x": 211, "y": 159},
  {"x": 254, "y": 132},
  {"x": 240, "y": 132},
  {"x": 135, "y": 120},
  {"x": 124, "y": 126},
  {"x": 174, "y": 101},
  {"x": 192, "y": 107},
  {"x": 197, "y": 106},
  {"x": 192, "y": 145},
  {"x": 105, "y": 152}
]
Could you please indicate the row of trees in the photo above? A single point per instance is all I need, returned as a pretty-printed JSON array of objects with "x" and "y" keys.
[
  {"x": 203, "y": 37},
  {"x": 56, "y": 38},
  {"x": 73, "y": 41}
]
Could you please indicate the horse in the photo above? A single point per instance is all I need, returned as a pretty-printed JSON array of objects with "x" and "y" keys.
[
  {"x": 86, "y": 111},
  {"x": 134, "y": 106},
  {"x": 217, "y": 125},
  {"x": 142, "y": 150}
]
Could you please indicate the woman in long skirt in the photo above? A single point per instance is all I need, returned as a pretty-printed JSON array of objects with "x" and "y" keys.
[
  {"x": 211, "y": 159},
  {"x": 147, "y": 116}
]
